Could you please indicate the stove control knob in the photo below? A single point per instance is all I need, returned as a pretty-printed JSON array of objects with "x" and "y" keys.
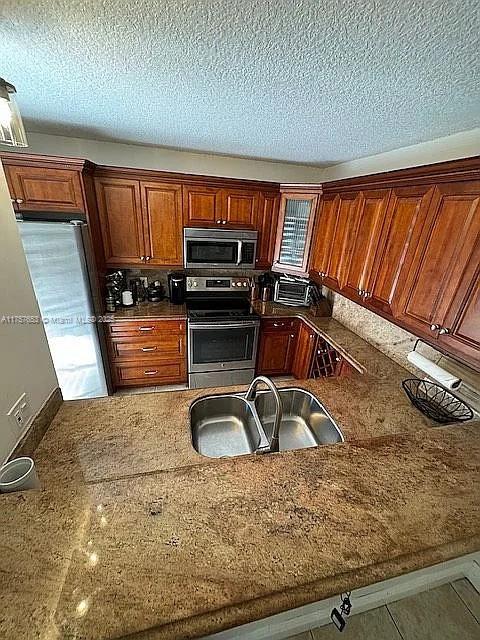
[
  {"x": 234, "y": 284},
  {"x": 244, "y": 284}
]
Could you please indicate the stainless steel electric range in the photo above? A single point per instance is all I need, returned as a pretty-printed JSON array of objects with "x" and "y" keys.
[{"x": 222, "y": 332}]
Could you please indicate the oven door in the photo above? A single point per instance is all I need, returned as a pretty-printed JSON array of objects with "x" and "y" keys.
[
  {"x": 203, "y": 253},
  {"x": 222, "y": 345}
]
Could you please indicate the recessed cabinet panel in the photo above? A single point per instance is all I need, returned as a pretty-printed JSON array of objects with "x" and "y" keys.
[
  {"x": 342, "y": 240},
  {"x": 202, "y": 206},
  {"x": 162, "y": 212},
  {"x": 403, "y": 220},
  {"x": 45, "y": 189},
  {"x": 240, "y": 208},
  {"x": 369, "y": 220},
  {"x": 304, "y": 352},
  {"x": 119, "y": 207},
  {"x": 448, "y": 240},
  {"x": 323, "y": 238},
  {"x": 267, "y": 221}
]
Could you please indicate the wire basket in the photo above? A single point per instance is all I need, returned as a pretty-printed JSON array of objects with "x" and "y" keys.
[{"x": 436, "y": 402}]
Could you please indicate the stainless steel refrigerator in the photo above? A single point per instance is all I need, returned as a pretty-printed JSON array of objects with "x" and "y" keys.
[{"x": 57, "y": 262}]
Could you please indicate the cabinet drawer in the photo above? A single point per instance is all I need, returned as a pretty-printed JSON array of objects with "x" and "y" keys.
[
  {"x": 168, "y": 346},
  {"x": 147, "y": 373},
  {"x": 146, "y": 328},
  {"x": 280, "y": 324}
]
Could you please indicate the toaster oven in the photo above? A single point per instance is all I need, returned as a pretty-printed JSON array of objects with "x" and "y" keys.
[{"x": 292, "y": 291}]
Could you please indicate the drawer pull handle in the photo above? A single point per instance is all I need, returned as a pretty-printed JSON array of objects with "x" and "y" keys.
[
  {"x": 278, "y": 324},
  {"x": 151, "y": 373},
  {"x": 149, "y": 348},
  {"x": 146, "y": 328}
]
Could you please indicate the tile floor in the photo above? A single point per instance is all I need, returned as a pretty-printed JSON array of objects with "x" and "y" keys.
[{"x": 449, "y": 612}]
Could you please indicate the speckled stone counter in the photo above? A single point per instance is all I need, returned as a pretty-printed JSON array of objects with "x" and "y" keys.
[
  {"x": 164, "y": 310},
  {"x": 136, "y": 533}
]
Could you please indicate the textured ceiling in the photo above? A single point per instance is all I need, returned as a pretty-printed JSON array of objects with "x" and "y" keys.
[{"x": 303, "y": 81}]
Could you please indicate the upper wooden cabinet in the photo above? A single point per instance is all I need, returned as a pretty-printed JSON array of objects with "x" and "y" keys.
[
  {"x": 240, "y": 208},
  {"x": 267, "y": 221},
  {"x": 322, "y": 243},
  {"x": 202, "y": 206},
  {"x": 162, "y": 223},
  {"x": 121, "y": 221},
  {"x": 404, "y": 217},
  {"x": 34, "y": 188},
  {"x": 439, "y": 279},
  {"x": 141, "y": 222},
  {"x": 205, "y": 206},
  {"x": 294, "y": 234},
  {"x": 361, "y": 244},
  {"x": 343, "y": 240}
]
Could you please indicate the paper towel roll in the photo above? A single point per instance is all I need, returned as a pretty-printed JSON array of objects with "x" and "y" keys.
[{"x": 446, "y": 379}]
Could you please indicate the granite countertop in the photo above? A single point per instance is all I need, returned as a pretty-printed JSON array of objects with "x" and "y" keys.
[
  {"x": 164, "y": 310},
  {"x": 136, "y": 533}
]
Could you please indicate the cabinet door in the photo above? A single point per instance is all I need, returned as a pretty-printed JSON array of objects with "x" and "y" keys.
[
  {"x": 342, "y": 240},
  {"x": 361, "y": 246},
  {"x": 323, "y": 236},
  {"x": 42, "y": 189},
  {"x": 267, "y": 221},
  {"x": 240, "y": 208},
  {"x": 296, "y": 220},
  {"x": 448, "y": 240},
  {"x": 304, "y": 352},
  {"x": 162, "y": 223},
  {"x": 119, "y": 208},
  {"x": 461, "y": 333},
  {"x": 276, "y": 352},
  {"x": 202, "y": 206},
  {"x": 404, "y": 219}
]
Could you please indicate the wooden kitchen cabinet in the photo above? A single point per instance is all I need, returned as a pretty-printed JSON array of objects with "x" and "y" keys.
[
  {"x": 277, "y": 346},
  {"x": 147, "y": 352},
  {"x": 120, "y": 212},
  {"x": 239, "y": 208},
  {"x": 361, "y": 243},
  {"x": 323, "y": 238},
  {"x": 438, "y": 280},
  {"x": 406, "y": 211},
  {"x": 343, "y": 239},
  {"x": 267, "y": 221},
  {"x": 162, "y": 223},
  {"x": 36, "y": 188},
  {"x": 202, "y": 206},
  {"x": 304, "y": 352}
]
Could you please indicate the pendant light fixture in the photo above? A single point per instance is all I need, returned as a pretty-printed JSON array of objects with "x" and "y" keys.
[{"x": 12, "y": 132}]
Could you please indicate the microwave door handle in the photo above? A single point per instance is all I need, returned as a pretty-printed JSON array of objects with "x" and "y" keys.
[{"x": 239, "y": 257}]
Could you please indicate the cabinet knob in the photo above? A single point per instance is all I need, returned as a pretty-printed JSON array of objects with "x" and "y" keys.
[
  {"x": 312, "y": 336},
  {"x": 142, "y": 258},
  {"x": 224, "y": 222},
  {"x": 19, "y": 201},
  {"x": 443, "y": 331},
  {"x": 292, "y": 335},
  {"x": 147, "y": 258},
  {"x": 360, "y": 292},
  {"x": 435, "y": 327},
  {"x": 219, "y": 221}
]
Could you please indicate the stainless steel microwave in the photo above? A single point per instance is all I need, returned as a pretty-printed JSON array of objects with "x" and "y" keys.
[{"x": 219, "y": 248}]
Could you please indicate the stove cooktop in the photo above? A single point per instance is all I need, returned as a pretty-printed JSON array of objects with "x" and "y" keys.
[{"x": 220, "y": 309}]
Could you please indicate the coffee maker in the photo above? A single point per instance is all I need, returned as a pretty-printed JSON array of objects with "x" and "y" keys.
[{"x": 176, "y": 287}]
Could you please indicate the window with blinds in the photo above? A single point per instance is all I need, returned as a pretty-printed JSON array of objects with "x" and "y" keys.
[{"x": 295, "y": 228}]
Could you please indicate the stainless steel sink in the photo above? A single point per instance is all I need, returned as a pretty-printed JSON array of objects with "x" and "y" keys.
[
  {"x": 228, "y": 425},
  {"x": 223, "y": 426}
]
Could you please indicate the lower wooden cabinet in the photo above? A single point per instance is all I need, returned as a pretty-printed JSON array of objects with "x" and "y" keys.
[
  {"x": 146, "y": 353},
  {"x": 277, "y": 346},
  {"x": 304, "y": 352}
]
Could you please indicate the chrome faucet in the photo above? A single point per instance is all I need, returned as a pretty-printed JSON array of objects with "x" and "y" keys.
[{"x": 267, "y": 445}]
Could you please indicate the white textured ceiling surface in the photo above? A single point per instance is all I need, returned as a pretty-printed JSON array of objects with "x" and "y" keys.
[{"x": 303, "y": 81}]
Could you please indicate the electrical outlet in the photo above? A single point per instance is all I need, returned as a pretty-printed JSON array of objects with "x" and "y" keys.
[{"x": 20, "y": 414}]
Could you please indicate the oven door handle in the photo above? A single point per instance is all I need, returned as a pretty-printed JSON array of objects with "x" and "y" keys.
[
  {"x": 230, "y": 325},
  {"x": 239, "y": 257}
]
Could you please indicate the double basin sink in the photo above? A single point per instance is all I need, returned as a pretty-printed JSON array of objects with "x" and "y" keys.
[{"x": 228, "y": 425}]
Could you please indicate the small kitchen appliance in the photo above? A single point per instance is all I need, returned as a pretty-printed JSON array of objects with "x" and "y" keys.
[
  {"x": 292, "y": 291},
  {"x": 219, "y": 248},
  {"x": 223, "y": 331},
  {"x": 176, "y": 287}
]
